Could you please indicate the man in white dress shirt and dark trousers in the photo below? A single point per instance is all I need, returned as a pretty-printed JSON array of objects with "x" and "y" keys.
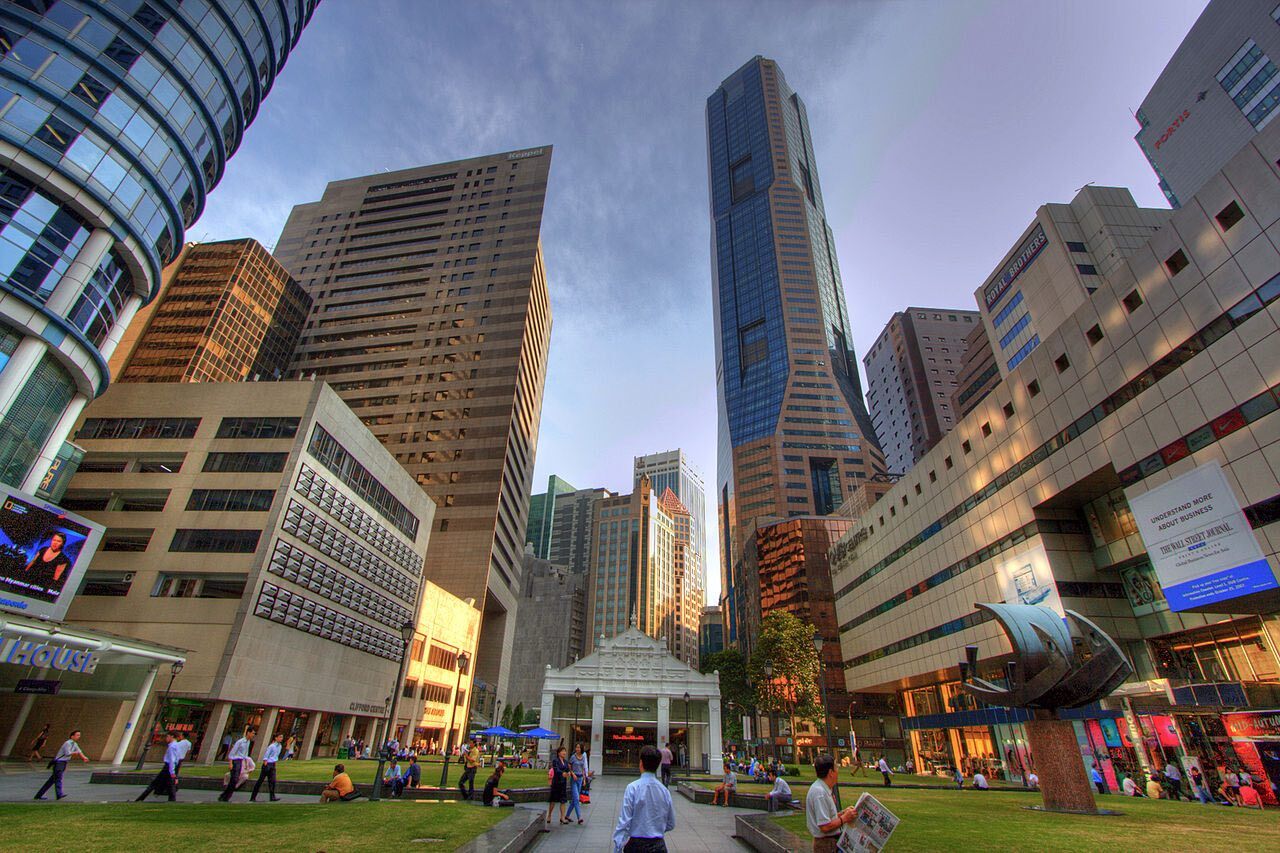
[
  {"x": 58, "y": 765},
  {"x": 821, "y": 817},
  {"x": 164, "y": 783},
  {"x": 235, "y": 756},
  {"x": 268, "y": 771},
  {"x": 647, "y": 813}
]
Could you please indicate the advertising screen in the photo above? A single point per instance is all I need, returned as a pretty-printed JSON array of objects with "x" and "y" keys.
[
  {"x": 1199, "y": 541},
  {"x": 44, "y": 551}
]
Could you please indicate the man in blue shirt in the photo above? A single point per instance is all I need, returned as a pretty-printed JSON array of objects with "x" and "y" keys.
[
  {"x": 236, "y": 757},
  {"x": 163, "y": 782},
  {"x": 268, "y": 771},
  {"x": 646, "y": 814}
]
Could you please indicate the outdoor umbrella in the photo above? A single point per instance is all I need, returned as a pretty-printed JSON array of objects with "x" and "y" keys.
[
  {"x": 496, "y": 731},
  {"x": 540, "y": 734}
]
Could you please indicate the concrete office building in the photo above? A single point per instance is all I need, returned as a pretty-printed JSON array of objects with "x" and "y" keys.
[
  {"x": 573, "y": 527},
  {"x": 673, "y": 470},
  {"x": 687, "y": 572},
  {"x": 228, "y": 313},
  {"x": 978, "y": 373},
  {"x": 262, "y": 527},
  {"x": 432, "y": 320},
  {"x": 794, "y": 435},
  {"x": 911, "y": 375},
  {"x": 116, "y": 120},
  {"x": 1170, "y": 366},
  {"x": 710, "y": 631},
  {"x": 1057, "y": 264},
  {"x": 428, "y": 714},
  {"x": 542, "y": 515},
  {"x": 1218, "y": 91},
  {"x": 551, "y": 627}
]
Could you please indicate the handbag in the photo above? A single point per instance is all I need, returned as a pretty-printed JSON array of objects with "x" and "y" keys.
[{"x": 551, "y": 774}]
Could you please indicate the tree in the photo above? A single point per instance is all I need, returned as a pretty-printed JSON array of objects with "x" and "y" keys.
[
  {"x": 532, "y": 717},
  {"x": 513, "y": 716},
  {"x": 786, "y": 644},
  {"x": 733, "y": 688}
]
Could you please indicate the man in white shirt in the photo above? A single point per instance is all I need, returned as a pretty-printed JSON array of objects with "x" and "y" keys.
[
  {"x": 883, "y": 767},
  {"x": 780, "y": 796},
  {"x": 1173, "y": 776},
  {"x": 980, "y": 782},
  {"x": 1130, "y": 787},
  {"x": 236, "y": 757},
  {"x": 70, "y": 747},
  {"x": 268, "y": 771},
  {"x": 163, "y": 782},
  {"x": 667, "y": 758},
  {"x": 820, "y": 814},
  {"x": 1033, "y": 781},
  {"x": 646, "y": 814}
]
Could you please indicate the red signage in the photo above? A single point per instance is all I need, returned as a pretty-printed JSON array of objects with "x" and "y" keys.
[
  {"x": 1264, "y": 724},
  {"x": 1177, "y": 123},
  {"x": 626, "y": 737}
]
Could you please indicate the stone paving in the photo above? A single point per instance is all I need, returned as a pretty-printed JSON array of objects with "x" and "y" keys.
[
  {"x": 19, "y": 783},
  {"x": 699, "y": 829}
]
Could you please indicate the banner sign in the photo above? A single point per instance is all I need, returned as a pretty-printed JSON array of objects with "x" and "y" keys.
[
  {"x": 44, "y": 551},
  {"x": 1027, "y": 252},
  {"x": 41, "y": 686},
  {"x": 1025, "y": 579},
  {"x": 1199, "y": 541},
  {"x": 871, "y": 830},
  {"x": 1263, "y": 724}
]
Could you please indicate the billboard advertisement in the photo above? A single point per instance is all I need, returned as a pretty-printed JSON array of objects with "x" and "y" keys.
[
  {"x": 1198, "y": 540},
  {"x": 1025, "y": 579},
  {"x": 44, "y": 551}
]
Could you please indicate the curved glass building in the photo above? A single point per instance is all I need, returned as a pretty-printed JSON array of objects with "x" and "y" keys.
[{"x": 116, "y": 119}]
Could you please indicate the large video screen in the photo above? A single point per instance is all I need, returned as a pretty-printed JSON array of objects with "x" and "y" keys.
[{"x": 44, "y": 551}]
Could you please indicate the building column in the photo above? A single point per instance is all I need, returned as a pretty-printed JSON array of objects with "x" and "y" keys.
[
  {"x": 266, "y": 729},
  {"x": 131, "y": 727},
  {"x": 213, "y": 734},
  {"x": 79, "y": 271},
  {"x": 40, "y": 467},
  {"x": 309, "y": 736},
  {"x": 348, "y": 729},
  {"x": 597, "y": 732},
  {"x": 24, "y": 711},
  {"x": 17, "y": 370},
  {"x": 548, "y": 706},
  {"x": 664, "y": 721},
  {"x": 123, "y": 319},
  {"x": 715, "y": 747}
]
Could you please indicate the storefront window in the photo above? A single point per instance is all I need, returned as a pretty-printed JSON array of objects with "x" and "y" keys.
[{"x": 1236, "y": 651}]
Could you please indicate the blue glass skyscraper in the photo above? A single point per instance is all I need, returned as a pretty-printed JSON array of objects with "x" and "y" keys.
[
  {"x": 116, "y": 119},
  {"x": 794, "y": 435}
]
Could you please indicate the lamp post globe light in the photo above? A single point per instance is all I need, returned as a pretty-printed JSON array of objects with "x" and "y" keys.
[
  {"x": 407, "y": 630},
  {"x": 577, "y": 696},
  {"x": 688, "y": 742},
  {"x": 773, "y": 729},
  {"x": 161, "y": 710},
  {"x": 464, "y": 660},
  {"x": 818, "y": 643}
]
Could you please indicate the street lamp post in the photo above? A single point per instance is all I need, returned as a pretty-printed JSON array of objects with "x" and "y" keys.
[
  {"x": 688, "y": 744},
  {"x": 577, "y": 697},
  {"x": 463, "y": 660},
  {"x": 826, "y": 717},
  {"x": 773, "y": 725},
  {"x": 174, "y": 669},
  {"x": 407, "y": 631}
]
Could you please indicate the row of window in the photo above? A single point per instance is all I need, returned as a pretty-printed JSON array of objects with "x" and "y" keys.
[
  {"x": 332, "y": 455},
  {"x": 332, "y": 542},
  {"x": 294, "y": 564},
  {"x": 324, "y": 495},
  {"x": 297, "y": 611}
]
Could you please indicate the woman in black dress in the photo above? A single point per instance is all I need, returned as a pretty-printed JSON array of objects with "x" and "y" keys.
[{"x": 558, "y": 771}]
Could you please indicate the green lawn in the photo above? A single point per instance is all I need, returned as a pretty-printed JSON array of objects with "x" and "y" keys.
[
  {"x": 362, "y": 771},
  {"x": 848, "y": 782},
  {"x": 127, "y": 827},
  {"x": 969, "y": 820}
]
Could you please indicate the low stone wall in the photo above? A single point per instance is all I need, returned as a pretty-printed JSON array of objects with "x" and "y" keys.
[
  {"x": 513, "y": 835},
  {"x": 702, "y": 796},
  {"x": 766, "y": 835}
]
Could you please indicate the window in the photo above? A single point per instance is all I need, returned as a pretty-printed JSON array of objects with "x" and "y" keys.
[
  {"x": 107, "y": 584},
  {"x": 947, "y": 462},
  {"x": 1095, "y": 332},
  {"x": 1008, "y": 410},
  {"x": 1086, "y": 269},
  {"x": 106, "y": 428},
  {"x": 1062, "y": 363},
  {"x": 1033, "y": 387},
  {"x": 1229, "y": 216},
  {"x": 199, "y": 586},
  {"x": 933, "y": 476},
  {"x": 1132, "y": 300},
  {"x": 187, "y": 540},
  {"x": 742, "y": 179},
  {"x": 121, "y": 53},
  {"x": 332, "y": 455},
  {"x": 258, "y": 428},
  {"x": 1073, "y": 246},
  {"x": 986, "y": 429},
  {"x": 1177, "y": 262},
  {"x": 245, "y": 462},
  {"x": 230, "y": 500},
  {"x": 918, "y": 489},
  {"x": 966, "y": 447},
  {"x": 56, "y": 134},
  {"x": 127, "y": 540}
]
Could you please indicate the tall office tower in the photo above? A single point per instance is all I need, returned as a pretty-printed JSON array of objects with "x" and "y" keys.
[
  {"x": 911, "y": 374},
  {"x": 672, "y": 470},
  {"x": 687, "y": 571},
  {"x": 573, "y": 526},
  {"x": 632, "y": 574},
  {"x": 711, "y": 632},
  {"x": 1057, "y": 264},
  {"x": 116, "y": 119},
  {"x": 431, "y": 319},
  {"x": 228, "y": 312},
  {"x": 1217, "y": 92},
  {"x": 794, "y": 432},
  {"x": 978, "y": 373},
  {"x": 542, "y": 514}
]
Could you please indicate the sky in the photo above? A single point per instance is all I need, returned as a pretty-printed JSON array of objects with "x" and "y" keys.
[{"x": 939, "y": 127}]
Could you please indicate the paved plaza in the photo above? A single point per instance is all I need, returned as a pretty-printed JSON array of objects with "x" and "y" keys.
[{"x": 19, "y": 783}]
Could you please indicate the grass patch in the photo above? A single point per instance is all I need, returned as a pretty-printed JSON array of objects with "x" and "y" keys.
[
  {"x": 127, "y": 827},
  {"x": 969, "y": 820},
  {"x": 362, "y": 771}
]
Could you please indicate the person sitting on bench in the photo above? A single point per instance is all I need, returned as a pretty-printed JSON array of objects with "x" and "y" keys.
[
  {"x": 780, "y": 796},
  {"x": 727, "y": 787},
  {"x": 340, "y": 789}
]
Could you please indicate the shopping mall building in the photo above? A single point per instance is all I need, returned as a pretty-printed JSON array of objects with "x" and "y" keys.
[{"x": 1127, "y": 468}]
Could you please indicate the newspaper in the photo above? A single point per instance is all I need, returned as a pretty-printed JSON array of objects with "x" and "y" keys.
[{"x": 871, "y": 830}]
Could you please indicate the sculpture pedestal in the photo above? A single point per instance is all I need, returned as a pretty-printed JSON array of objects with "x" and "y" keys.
[{"x": 1064, "y": 782}]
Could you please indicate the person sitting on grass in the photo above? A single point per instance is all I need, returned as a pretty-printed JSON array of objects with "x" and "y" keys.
[
  {"x": 1249, "y": 798},
  {"x": 1033, "y": 781},
  {"x": 728, "y": 787},
  {"x": 340, "y": 788},
  {"x": 1130, "y": 787},
  {"x": 1155, "y": 791},
  {"x": 980, "y": 782},
  {"x": 491, "y": 796}
]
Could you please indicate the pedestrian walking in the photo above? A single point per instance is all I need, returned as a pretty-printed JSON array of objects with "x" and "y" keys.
[
  {"x": 647, "y": 814},
  {"x": 883, "y": 767},
  {"x": 470, "y": 765},
  {"x": 666, "y": 765},
  {"x": 857, "y": 761},
  {"x": 1095, "y": 776},
  {"x": 557, "y": 774},
  {"x": 184, "y": 749},
  {"x": 38, "y": 744},
  {"x": 224, "y": 747},
  {"x": 236, "y": 757},
  {"x": 1198, "y": 786},
  {"x": 577, "y": 778},
  {"x": 290, "y": 748},
  {"x": 268, "y": 771},
  {"x": 163, "y": 783},
  {"x": 821, "y": 817},
  {"x": 70, "y": 747}
]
